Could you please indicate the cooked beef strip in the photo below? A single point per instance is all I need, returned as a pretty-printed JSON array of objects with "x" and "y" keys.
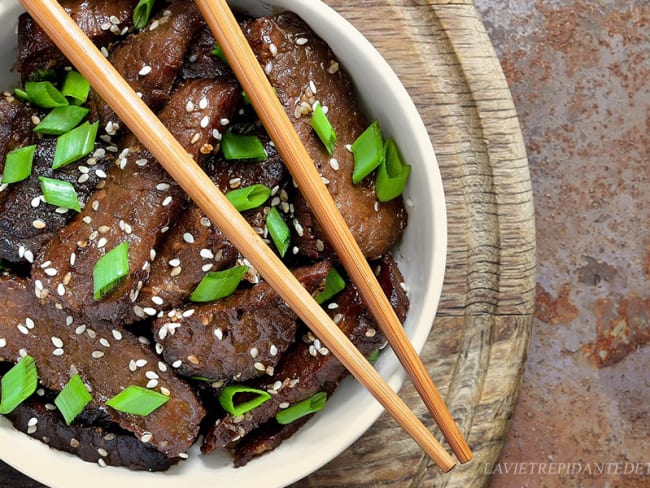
[
  {"x": 182, "y": 261},
  {"x": 264, "y": 439},
  {"x": 150, "y": 60},
  {"x": 27, "y": 221},
  {"x": 299, "y": 62},
  {"x": 37, "y": 52},
  {"x": 200, "y": 62},
  {"x": 15, "y": 125},
  {"x": 307, "y": 367},
  {"x": 106, "y": 357},
  {"x": 137, "y": 205},
  {"x": 102, "y": 444},
  {"x": 237, "y": 338}
]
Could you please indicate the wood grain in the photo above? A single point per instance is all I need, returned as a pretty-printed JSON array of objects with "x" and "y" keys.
[{"x": 477, "y": 348}]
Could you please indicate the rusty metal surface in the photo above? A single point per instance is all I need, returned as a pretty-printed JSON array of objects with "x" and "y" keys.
[{"x": 579, "y": 75}]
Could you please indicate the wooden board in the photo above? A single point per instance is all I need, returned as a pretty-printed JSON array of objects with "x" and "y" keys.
[{"x": 477, "y": 349}]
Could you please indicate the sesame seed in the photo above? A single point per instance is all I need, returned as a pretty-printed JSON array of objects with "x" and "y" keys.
[
  {"x": 167, "y": 201},
  {"x": 371, "y": 333},
  {"x": 224, "y": 121},
  {"x": 284, "y": 405},
  {"x": 205, "y": 121},
  {"x": 97, "y": 354},
  {"x": 189, "y": 238},
  {"x": 23, "y": 329},
  {"x": 154, "y": 25},
  {"x": 60, "y": 289},
  {"x": 57, "y": 342},
  {"x": 73, "y": 259},
  {"x": 83, "y": 178},
  {"x": 117, "y": 334},
  {"x": 203, "y": 103},
  {"x": 334, "y": 164},
  {"x": 157, "y": 300},
  {"x": 104, "y": 51},
  {"x": 312, "y": 86},
  {"x": 162, "y": 186},
  {"x": 152, "y": 384},
  {"x": 141, "y": 363},
  {"x": 259, "y": 367},
  {"x": 162, "y": 366},
  {"x": 80, "y": 329},
  {"x": 193, "y": 359},
  {"x": 166, "y": 392},
  {"x": 74, "y": 443},
  {"x": 188, "y": 313},
  {"x": 333, "y": 68},
  {"x": 36, "y": 201},
  {"x": 146, "y": 69},
  {"x": 301, "y": 41},
  {"x": 174, "y": 262},
  {"x": 189, "y": 106},
  {"x": 273, "y": 350},
  {"x": 146, "y": 437},
  {"x": 3, "y": 342},
  {"x": 218, "y": 333},
  {"x": 151, "y": 312},
  {"x": 58, "y": 352},
  {"x": 206, "y": 254},
  {"x": 38, "y": 224},
  {"x": 29, "y": 323},
  {"x": 253, "y": 352},
  {"x": 104, "y": 342},
  {"x": 102, "y": 452},
  {"x": 152, "y": 375},
  {"x": 177, "y": 364},
  {"x": 100, "y": 173},
  {"x": 29, "y": 256}
]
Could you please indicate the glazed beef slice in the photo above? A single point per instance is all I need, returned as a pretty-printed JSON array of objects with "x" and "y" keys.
[
  {"x": 137, "y": 205},
  {"x": 304, "y": 71},
  {"x": 150, "y": 60},
  {"x": 107, "y": 358},
  {"x": 236, "y": 338},
  {"x": 27, "y": 220},
  {"x": 103, "y": 21},
  {"x": 308, "y": 367},
  {"x": 194, "y": 246},
  {"x": 107, "y": 445}
]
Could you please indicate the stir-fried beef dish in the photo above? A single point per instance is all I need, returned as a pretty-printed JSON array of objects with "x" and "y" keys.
[{"x": 135, "y": 326}]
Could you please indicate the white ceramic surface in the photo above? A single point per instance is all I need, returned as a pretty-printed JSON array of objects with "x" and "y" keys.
[{"x": 421, "y": 255}]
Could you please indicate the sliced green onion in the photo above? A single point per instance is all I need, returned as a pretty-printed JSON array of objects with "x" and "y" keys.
[
  {"x": 323, "y": 128},
  {"x": 218, "y": 52},
  {"x": 334, "y": 284},
  {"x": 72, "y": 399},
  {"x": 142, "y": 12},
  {"x": 299, "y": 410},
  {"x": 21, "y": 94},
  {"x": 18, "y": 384},
  {"x": 278, "y": 230},
  {"x": 392, "y": 174},
  {"x": 249, "y": 197},
  {"x": 218, "y": 284},
  {"x": 374, "y": 355},
  {"x": 76, "y": 87},
  {"x": 18, "y": 164},
  {"x": 75, "y": 144},
  {"x": 59, "y": 193},
  {"x": 226, "y": 399},
  {"x": 368, "y": 152},
  {"x": 246, "y": 147},
  {"x": 110, "y": 270},
  {"x": 61, "y": 120},
  {"x": 137, "y": 400},
  {"x": 44, "y": 94}
]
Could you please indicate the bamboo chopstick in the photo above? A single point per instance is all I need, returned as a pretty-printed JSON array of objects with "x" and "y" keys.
[
  {"x": 270, "y": 111},
  {"x": 152, "y": 133}
]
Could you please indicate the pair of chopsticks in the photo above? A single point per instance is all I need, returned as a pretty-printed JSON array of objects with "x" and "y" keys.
[{"x": 152, "y": 134}]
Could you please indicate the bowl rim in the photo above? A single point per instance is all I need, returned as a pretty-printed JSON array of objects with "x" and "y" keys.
[{"x": 15, "y": 446}]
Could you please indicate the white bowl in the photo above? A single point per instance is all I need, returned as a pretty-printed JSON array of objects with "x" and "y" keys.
[{"x": 421, "y": 255}]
